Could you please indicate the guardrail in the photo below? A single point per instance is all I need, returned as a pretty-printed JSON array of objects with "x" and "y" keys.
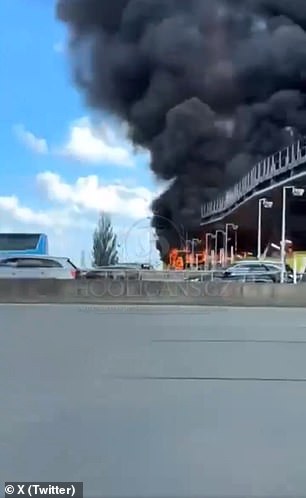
[
  {"x": 176, "y": 275},
  {"x": 179, "y": 274},
  {"x": 110, "y": 292},
  {"x": 286, "y": 161},
  {"x": 169, "y": 275}
]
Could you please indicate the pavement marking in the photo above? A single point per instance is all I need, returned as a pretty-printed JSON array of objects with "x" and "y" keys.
[
  {"x": 195, "y": 308},
  {"x": 231, "y": 341},
  {"x": 206, "y": 379}
]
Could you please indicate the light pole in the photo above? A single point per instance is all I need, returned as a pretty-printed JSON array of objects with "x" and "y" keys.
[
  {"x": 235, "y": 228},
  {"x": 267, "y": 205},
  {"x": 193, "y": 242},
  {"x": 296, "y": 192},
  {"x": 207, "y": 237},
  {"x": 216, "y": 241},
  {"x": 150, "y": 247},
  {"x": 150, "y": 238},
  {"x": 236, "y": 242}
]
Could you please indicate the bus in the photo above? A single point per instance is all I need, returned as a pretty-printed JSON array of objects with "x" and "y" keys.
[{"x": 23, "y": 243}]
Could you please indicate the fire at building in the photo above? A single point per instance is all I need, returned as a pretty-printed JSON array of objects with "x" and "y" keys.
[
  {"x": 208, "y": 87},
  {"x": 236, "y": 236},
  {"x": 203, "y": 252}
]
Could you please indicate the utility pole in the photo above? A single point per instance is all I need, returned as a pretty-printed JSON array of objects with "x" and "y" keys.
[
  {"x": 83, "y": 259},
  {"x": 296, "y": 192},
  {"x": 267, "y": 205}
]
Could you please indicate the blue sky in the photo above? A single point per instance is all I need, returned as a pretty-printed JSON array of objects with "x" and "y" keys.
[{"x": 57, "y": 170}]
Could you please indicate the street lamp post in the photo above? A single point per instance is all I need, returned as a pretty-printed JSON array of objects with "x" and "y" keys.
[
  {"x": 151, "y": 238},
  {"x": 296, "y": 192},
  {"x": 223, "y": 232},
  {"x": 236, "y": 242},
  {"x": 235, "y": 228},
  {"x": 192, "y": 242},
  {"x": 150, "y": 247},
  {"x": 267, "y": 205},
  {"x": 207, "y": 237}
]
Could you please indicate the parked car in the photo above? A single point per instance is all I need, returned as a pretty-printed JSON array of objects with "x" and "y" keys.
[
  {"x": 205, "y": 276},
  {"x": 31, "y": 266},
  {"x": 114, "y": 272},
  {"x": 147, "y": 266},
  {"x": 257, "y": 272}
]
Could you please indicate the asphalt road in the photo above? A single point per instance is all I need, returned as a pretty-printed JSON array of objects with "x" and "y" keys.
[{"x": 155, "y": 402}]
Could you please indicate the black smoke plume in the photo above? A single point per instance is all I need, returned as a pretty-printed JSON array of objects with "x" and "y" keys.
[{"x": 208, "y": 86}]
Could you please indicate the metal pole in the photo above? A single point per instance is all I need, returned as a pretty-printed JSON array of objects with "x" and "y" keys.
[
  {"x": 226, "y": 243},
  {"x": 216, "y": 242},
  {"x": 236, "y": 242},
  {"x": 216, "y": 245},
  {"x": 206, "y": 250},
  {"x": 192, "y": 251},
  {"x": 283, "y": 241},
  {"x": 150, "y": 247},
  {"x": 294, "y": 270},
  {"x": 222, "y": 257},
  {"x": 259, "y": 230}
]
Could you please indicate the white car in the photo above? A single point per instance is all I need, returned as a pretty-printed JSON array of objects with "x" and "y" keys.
[{"x": 35, "y": 266}]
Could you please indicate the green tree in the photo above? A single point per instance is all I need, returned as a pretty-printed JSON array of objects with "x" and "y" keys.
[{"x": 104, "y": 252}]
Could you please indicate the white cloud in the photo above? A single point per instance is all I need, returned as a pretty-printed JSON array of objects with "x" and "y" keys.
[
  {"x": 31, "y": 141},
  {"x": 87, "y": 143},
  {"x": 90, "y": 194},
  {"x": 94, "y": 145},
  {"x": 11, "y": 209},
  {"x": 68, "y": 231},
  {"x": 10, "y": 206},
  {"x": 70, "y": 214},
  {"x": 70, "y": 225}
]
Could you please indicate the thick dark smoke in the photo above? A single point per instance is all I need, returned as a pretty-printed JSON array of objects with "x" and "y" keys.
[{"x": 208, "y": 86}]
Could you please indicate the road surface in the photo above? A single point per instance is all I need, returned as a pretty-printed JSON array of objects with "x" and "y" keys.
[{"x": 155, "y": 402}]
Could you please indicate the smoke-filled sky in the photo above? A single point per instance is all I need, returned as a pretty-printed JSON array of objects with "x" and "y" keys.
[{"x": 207, "y": 86}]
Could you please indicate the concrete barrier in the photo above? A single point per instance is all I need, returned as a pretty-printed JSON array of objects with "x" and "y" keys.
[
  {"x": 113, "y": 291},
  {"x": 274, "y": 295},
  {"x": 151, "y": 292}
]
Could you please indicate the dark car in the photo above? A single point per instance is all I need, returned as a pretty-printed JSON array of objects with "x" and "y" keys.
[
  {"x": 114, "y": 272},
  {"x": 257, "y": 272}
]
